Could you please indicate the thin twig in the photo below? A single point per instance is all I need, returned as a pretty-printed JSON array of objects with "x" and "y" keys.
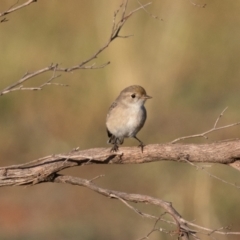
[
  {"x": 204, "y": 134},
  {"x": 95, "y": 178},
  {"x": 198, "y": 5},
  {"x": 210, "y": 174},
  {"x": 13, "y": 8},
  {"x": 215, "y": 125},
  {"x": 155, "y": 229},
  {"x": 150, "y": 14},
  {"x": 211, "y": 231},
  {"x": 18, "y": 85},
  {"x": 26, "y": 77},
  {"x": 13, "y": 5}
]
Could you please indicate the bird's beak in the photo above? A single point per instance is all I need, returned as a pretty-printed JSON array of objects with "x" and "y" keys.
[{"x": 147, "y": 97}]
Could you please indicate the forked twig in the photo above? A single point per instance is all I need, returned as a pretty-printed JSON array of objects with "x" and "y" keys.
[
  {"x": 18, "y": 85},
  {"x": 134, "y": 209},
  {"x": 204, "y": 134},
  {"x": 155, "y": 229}
]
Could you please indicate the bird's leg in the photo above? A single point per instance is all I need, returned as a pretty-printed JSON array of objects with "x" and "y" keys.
[
  {"x": 141, "y": 143},
  {"x": 115, "y": 146}
]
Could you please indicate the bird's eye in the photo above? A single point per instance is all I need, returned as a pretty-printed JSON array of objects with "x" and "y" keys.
[{"x": 133, "y": 95}]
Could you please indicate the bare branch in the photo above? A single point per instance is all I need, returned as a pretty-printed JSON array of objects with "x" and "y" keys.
[
  {"x": 18, "y": 85},
  {"x": 26, "y": 77},
  {"x": 116, "y": 28},
  {"x": 182, "y": 230},
  {"x": 214, "y": 129},
  {"x": 46, "y": 170},
  {"x": 35, "y": 171},
  {"x": 15, "y": 8}
]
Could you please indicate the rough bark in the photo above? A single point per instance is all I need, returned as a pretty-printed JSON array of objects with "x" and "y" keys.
[
  {"x": 42, "y": 170},
  {"x": 46, "y": 170}
]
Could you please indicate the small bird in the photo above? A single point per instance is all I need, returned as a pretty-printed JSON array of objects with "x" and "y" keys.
[{"x": 126, "y": 116}]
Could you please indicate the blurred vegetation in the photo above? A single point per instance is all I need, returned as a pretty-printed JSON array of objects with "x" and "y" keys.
[{"x": 188, "y": 62}]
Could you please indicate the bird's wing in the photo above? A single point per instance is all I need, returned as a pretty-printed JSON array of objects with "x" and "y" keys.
[
  {"x": 109, "y": 133},
  {"x": 114, "y": 104}
]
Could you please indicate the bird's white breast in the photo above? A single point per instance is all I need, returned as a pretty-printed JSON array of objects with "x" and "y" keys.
[{"x": 127, "y": 121}]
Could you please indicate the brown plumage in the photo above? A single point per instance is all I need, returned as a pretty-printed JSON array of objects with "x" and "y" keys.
[{"x": 126, "y": 115}]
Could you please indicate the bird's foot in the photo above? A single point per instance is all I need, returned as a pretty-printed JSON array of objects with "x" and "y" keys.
[
  {"x": 141, "y": 146},
  {"x": 114, "y": 148}
]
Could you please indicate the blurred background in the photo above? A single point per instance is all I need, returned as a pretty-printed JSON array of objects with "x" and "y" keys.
[{"x": 187, "y": 60}]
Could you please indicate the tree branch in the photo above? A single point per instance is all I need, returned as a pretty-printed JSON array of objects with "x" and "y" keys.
[
  {"x": 182, "y": 230},
  {"x": 39, "y": 170},
  {"x": 116, "y": 28},
  {"x": 46, "y": 170}
]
